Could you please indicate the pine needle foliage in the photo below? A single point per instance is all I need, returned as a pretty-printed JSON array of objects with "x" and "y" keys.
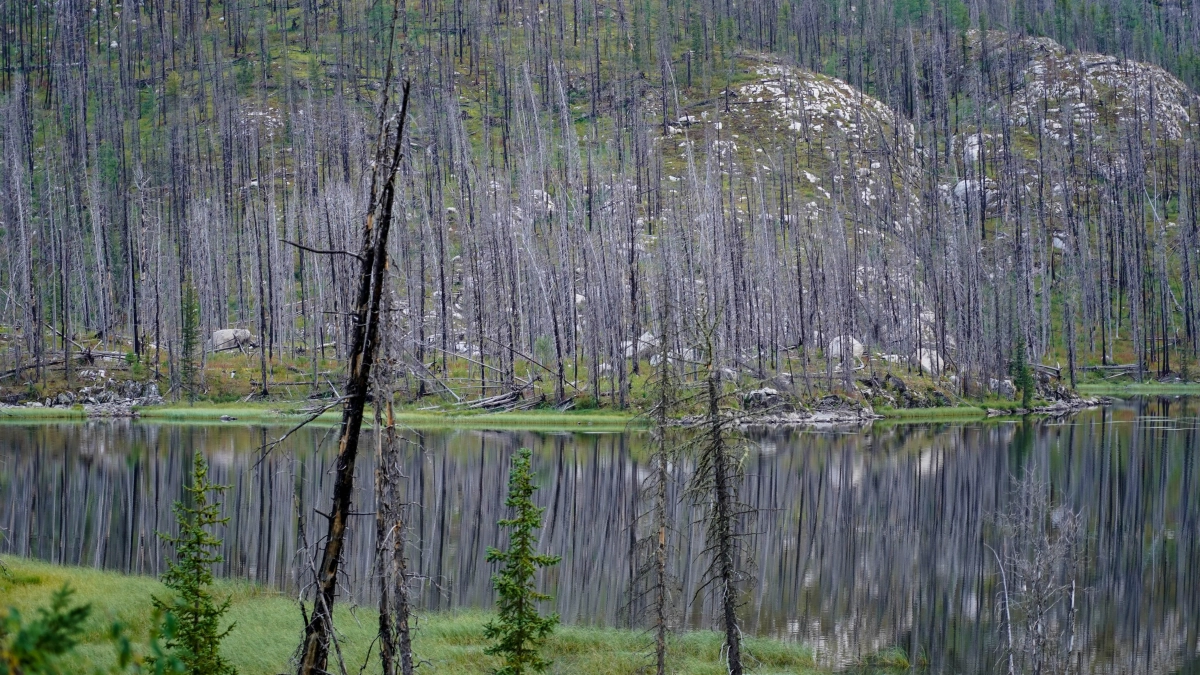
[
  {"x": 197, "y": 641},
  {"x": 36, "y": 647},
  {"x": 519, "y": 632},
  {"x": 718, "y": 458},
  {"x": 33, "y": 647},
  {"x": 189, "y": 363},
  {"x": 1022, "y": 374}
]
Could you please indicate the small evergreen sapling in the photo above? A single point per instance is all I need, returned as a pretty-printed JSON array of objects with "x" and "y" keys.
[
  {"x": 37, "y": 647},
  {"x": 189, "y": 361},
  {"x": 1023, "y": 375},
  {"x": 197, "y": 640},
  {"x": 519, "y": 632}
]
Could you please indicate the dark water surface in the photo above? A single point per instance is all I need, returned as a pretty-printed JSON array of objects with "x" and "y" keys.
[{"x": 864, "y": 540}]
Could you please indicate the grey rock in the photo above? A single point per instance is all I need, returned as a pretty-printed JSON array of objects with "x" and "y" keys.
[
  {"x": 914, "y": 399},
  {"x": 845, "y": 347},
  {"x": 765, "y": 399},
  {"x": 783, "y": 382},
  {"x": 229, "y": 338}
]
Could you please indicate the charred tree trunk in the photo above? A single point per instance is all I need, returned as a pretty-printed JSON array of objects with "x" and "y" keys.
[{"x": 363, "y": 347}]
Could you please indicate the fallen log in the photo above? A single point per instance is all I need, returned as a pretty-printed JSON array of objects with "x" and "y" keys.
[
  {"x": 30, "y": 366},
  {"x": 1115, "y": 370}
]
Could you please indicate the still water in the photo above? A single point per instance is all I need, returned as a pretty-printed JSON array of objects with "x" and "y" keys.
[{"x": 861, "y": 541}]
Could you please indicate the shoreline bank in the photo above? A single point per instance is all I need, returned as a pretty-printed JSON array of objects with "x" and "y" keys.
[{"x": 290, "y": 412}]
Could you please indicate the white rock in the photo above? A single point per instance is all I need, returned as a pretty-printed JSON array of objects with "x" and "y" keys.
[
  {"x": 229, "y": 338},
  {"x": 930, "y": 361},
  {"x": 845, "y": 346}
]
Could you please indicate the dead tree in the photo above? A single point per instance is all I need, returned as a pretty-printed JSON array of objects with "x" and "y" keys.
[
  {"x": 364, "y": 346},
  {"x": 391, "y": 541},
  {"x": 652, "y": 583},
  {"x": 714, "y": 488},
  {"x": 391, "y": 563}
]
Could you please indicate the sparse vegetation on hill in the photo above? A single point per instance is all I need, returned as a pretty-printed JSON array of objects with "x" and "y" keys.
[{"x": 922, "y": 179}]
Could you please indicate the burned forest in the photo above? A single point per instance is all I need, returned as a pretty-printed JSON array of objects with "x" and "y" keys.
[{"x": 920, "y": 186}]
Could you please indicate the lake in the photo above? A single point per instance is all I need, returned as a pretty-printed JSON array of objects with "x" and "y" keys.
[{"x": 861, "y": 540}]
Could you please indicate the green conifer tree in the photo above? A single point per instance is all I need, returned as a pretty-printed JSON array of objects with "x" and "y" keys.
[
  {"x": 189, "y": 362},
  {"x": 197, "y": 640},
  {"x": 39, "y": 646},
  {"x": 519, "y": 632},
  {"x": 1022, "y": 375}
]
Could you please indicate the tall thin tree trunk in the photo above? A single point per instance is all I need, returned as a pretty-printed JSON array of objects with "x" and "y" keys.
[{"x": 364, "y": 346}]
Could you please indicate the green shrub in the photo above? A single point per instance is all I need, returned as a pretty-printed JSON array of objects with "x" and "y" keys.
[{"x": 35, "y": 647}]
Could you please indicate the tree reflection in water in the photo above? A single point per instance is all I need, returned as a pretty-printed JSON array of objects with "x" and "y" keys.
[{"x": 865, "y": 541}]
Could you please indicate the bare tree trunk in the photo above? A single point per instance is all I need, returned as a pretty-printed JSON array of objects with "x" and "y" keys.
[
  {"x": 383, "y": 457},
  {"x": 262, "y": 308},
  {"x": 364, "y": 346},
  {"x": 723, "y": 521}
]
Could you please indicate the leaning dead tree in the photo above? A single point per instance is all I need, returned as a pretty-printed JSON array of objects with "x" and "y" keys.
[{"x": 364, "y": 346}]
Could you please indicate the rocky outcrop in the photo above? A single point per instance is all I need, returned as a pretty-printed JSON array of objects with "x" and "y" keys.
[
  {"x": 859, "y": 146},
  {"x": 828, "y": 411},
  {"x": 1055, "y": 409},
  {"x": 1080, "y": 99},
  {"x": 105, "y": 398},
  {"x": 845, "y": 347},
  {"x": 766, "y": 400}
]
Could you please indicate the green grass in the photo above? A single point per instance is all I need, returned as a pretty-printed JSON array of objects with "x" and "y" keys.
[
  {"x": 1139, "y": 389},
  {"x": 290, "y": 412},
  {"x": 596, "y": 420},
  {"x": 922, "y": 414},
  {"x": 281, "y": 412},
  {"x": 21, "y": 413},
  {"x": 268, "y": 628}
]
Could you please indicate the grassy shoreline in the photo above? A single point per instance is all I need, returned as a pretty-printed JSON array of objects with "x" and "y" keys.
[
  {"x": 1139, "y": 389},
  {"x": 286, "y": 412},
  {"x": 268, "y": 627}
]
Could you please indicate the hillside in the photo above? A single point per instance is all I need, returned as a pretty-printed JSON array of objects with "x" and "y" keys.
[{"x": 939, "y": 183}]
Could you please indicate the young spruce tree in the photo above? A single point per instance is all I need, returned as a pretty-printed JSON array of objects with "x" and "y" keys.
[
  {"x": 1022, "y": 375},
  {"x": 189, "y": 363},
  {"x": 519, "y": 632},
  {"x": 197, "y": 640},
  {"x": 38, "y": 646}
]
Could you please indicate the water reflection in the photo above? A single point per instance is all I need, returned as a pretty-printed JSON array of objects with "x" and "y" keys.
[{"x": 863, "y": 541}]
